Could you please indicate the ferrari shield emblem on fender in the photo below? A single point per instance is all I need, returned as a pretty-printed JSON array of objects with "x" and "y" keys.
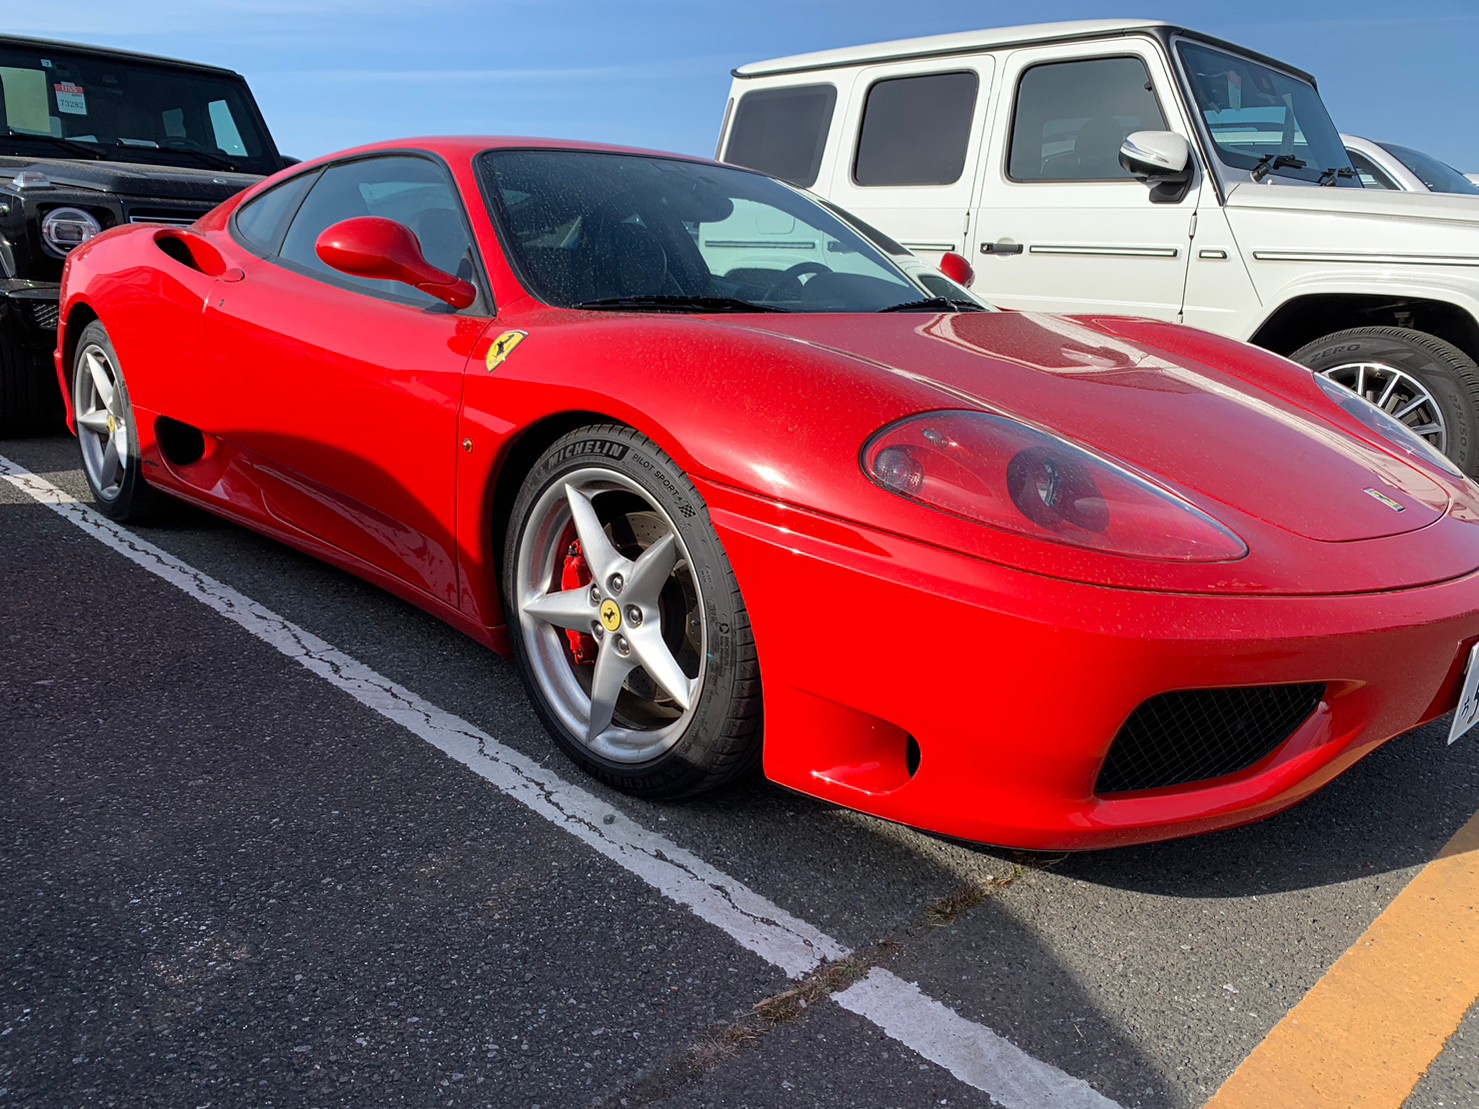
[
  {"x": 1386, "y": 500},
  {"x": 503, "y": 346}
]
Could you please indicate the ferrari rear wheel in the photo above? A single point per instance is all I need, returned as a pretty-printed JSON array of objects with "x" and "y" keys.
[
  {"x": 106, "y": 431},
  {"x": 626, "y": 619}
]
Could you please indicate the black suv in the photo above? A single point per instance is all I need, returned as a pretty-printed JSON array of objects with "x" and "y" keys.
[{"x": 91, "y": 138}]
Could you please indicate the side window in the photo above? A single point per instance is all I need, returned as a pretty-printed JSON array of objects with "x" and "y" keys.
[
  {"x": 1371, "y": 176},
  {"x": 1071, "y": 117},
  {"x": 261, "y": 221},
  {"x": 411, "y": 191},
  {"x": 783, "y": 132},
  {"x": 223, "y": 126},
  {"x": 916, "y": 129}
]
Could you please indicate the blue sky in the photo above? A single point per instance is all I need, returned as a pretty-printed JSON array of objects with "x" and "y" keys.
[{"x": 333, "y": 73}]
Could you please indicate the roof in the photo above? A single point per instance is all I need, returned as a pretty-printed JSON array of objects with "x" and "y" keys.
[
  {"x": 112, "y": 52},
  {"x": 461, "y": 147},
  {"x": 968, "y": 42},
  {"x": 960, "y": 42}
]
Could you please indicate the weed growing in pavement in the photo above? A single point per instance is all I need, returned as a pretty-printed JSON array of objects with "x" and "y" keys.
[{"x": 792, "y": 1004}]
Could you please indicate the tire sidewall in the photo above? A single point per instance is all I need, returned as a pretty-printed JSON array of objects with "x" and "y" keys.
[
  {"x": 633, "y": 457},
  {"x": 121, "y": 505}
]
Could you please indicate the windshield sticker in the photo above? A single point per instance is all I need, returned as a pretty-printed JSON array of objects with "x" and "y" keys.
[
  {"x": 70, "y": 99},
  {"x": 503, "y": 346}
]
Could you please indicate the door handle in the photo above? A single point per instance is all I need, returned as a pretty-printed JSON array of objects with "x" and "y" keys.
[{"x": 1001, "y": 246}]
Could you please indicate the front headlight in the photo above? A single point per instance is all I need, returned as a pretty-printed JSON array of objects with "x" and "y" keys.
[
  {"x": 65, "y": 229},
  {"x": 995, "y": 471},
  {"x": 1393, "y": 430}
]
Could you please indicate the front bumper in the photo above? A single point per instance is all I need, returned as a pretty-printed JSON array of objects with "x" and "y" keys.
[
  {"x": 1012, "y": 686},
  {"x": 31, "y": 310}
]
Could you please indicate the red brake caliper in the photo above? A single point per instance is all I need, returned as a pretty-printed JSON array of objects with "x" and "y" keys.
[{"x": 577, "y": 575}]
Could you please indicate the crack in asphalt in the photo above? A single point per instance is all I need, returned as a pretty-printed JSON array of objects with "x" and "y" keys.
[
  {"x": 781, "y": 940},
  {"x": 726, "y": 1041}
]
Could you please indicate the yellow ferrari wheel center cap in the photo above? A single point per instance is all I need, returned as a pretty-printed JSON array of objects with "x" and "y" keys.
[
  {"x": 610, "y": 615},
  {"x": 112, "y": 427}
]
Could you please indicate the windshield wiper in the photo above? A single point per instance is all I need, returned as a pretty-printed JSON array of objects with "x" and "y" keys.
[
  {"x": 679, "y": 304},
  {"x": 55, "y": 140},
  {"x": 215, "y": 161},
  {"x": 1270, "y": 162},
  {"x": 1329, "y": 176},
  {"x": 935, "y": 304}
]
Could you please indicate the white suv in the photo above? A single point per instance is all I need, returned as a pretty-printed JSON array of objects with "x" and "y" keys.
[{"x": 1138, "y": 168}]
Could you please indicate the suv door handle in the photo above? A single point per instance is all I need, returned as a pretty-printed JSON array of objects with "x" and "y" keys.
[{"x": 1001, "y": 246}]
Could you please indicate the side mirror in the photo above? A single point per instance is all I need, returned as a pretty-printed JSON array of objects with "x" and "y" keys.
[
  {"x": 955, "y": 267},
  {"x": 1157, "y": 157},
  {"x": 369, "y": 246}
]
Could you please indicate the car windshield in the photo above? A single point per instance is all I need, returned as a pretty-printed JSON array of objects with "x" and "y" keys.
[
  {"x": 1438, "y": 176},
  {"x": 597, "y": 230},
  {"x": 73, "y": 104},
  {"x": 1257, "y": 116}
]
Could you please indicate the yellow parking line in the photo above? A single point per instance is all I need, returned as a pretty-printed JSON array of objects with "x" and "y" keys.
[{"x": 1368, "y": 1030}]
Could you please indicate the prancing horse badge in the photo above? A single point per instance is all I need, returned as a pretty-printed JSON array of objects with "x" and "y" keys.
[{"x": 503, "y": 346}]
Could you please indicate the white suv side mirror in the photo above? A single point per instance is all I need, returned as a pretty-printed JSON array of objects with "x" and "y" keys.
[{"x": 1157, "y": 157}]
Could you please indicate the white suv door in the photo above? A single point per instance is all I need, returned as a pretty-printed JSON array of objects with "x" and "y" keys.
[
  {"x": 1060, "y": 226},
  {"x": 910, "y": 141}
]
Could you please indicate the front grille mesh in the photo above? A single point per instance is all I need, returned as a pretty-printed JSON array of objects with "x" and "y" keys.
[
  {"x": 1195, "y": 735},
  {"x": 44, "y": 314}
]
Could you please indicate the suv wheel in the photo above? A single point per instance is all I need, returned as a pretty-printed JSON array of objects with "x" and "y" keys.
[{"x": 1428, "y": 384}]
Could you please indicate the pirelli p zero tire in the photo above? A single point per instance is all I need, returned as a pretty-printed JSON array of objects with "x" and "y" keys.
[
  {"x": 626, "y": 620},
  {"x": 1427, "y": 383},
  {"x": 107, "y": 433}
]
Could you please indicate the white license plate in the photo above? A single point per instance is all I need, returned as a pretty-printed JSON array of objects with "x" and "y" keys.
[{"x": 1467, "y": 713}]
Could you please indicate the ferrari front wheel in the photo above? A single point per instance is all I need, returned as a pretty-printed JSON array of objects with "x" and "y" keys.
[
  {"x": 106, "y": 431},
  {"x": 626, "y": 619}
]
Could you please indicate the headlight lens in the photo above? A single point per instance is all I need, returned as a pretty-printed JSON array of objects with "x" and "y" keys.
[
  {"x": 1393, "y": 430},
  {"x": 995, "y": 471},
  {"x": 65, "y": 229}
]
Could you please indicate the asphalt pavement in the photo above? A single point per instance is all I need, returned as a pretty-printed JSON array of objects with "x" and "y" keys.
[{"x": 228, "y": 881}]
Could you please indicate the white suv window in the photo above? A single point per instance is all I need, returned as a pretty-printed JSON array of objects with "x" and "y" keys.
[
  {"x": 1260, "y": 119},
  {"x": 783, "y": 132},
  {"x": 1071, "y": 118},
  {"x": 916, "y": 129}
]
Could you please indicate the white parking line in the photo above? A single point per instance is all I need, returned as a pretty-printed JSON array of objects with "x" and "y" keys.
[
  {"x": 975, "y": 1055},
  {"x": 971, "y": 1052}
]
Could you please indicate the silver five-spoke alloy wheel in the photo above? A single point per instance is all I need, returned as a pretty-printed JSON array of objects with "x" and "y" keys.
[
  {"x": 102, "y": 422},
  {"x": 602, "y": 570}
]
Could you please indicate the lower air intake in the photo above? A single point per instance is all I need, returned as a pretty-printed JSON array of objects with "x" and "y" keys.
[
  {"x": 1195, "y": 735},
  {"x": 45, "y": 315}
]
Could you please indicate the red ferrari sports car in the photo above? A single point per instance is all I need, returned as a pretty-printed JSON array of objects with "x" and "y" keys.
[{"x": 735, "y": 479}]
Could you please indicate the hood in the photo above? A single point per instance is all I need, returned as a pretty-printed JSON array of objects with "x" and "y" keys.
[
  {"x": 1386, "y": 204},
  {"x": 1191, "y": 427},
  {"x": 133, "y": 178}
]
